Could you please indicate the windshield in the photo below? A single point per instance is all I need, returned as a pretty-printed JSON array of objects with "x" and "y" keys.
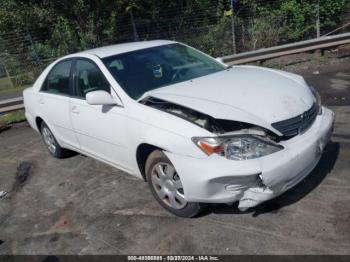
[{"x": 143, "y": 70}]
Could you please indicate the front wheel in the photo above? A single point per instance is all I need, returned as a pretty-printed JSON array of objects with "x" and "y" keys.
[{"x": 166, "y": 186}]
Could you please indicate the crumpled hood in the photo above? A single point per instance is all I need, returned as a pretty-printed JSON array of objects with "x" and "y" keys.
[{"x": 250, "y": 94}]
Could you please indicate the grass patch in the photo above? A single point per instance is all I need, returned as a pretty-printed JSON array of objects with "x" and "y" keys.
[
  {"x": 12, "y": 89},
  {"x": 318, "y": 58},
  {"x": 12, "y": 117},
  {"x": 5, "y": 83},
  {"x": 276, "y": 66}
]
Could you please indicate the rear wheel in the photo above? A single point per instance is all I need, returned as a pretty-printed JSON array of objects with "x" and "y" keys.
[
  {"x": 166, "y": 186},
  {"x": 51, "y": 143}
]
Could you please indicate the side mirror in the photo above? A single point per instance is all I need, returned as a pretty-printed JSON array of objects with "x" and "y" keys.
[{"x": 100, "y": 97}]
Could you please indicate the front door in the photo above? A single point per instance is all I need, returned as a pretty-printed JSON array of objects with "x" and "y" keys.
[{"x": 100, "y": 129}]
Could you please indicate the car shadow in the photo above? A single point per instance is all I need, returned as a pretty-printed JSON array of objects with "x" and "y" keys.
[{"x": 291, "y": 196}]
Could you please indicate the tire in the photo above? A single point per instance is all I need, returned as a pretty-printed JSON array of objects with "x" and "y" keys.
[
  {"x": 51, "y": 143},
  {"x": 166, "y": 187}
]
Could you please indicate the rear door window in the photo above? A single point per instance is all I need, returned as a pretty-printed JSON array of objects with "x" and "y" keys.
[{"x": 58, "y": 80}]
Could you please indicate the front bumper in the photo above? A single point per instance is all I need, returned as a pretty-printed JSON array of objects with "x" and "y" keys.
[{"x": 215, "y": 179}]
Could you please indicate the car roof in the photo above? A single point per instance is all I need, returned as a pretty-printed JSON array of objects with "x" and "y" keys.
[{"x": 124, "y": 48}]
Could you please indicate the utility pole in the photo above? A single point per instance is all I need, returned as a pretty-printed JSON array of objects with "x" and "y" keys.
[
  {"x": 37, "y": 58},
  {"x": 234, "y": 49},
  {"x": 8, "y": 76},
  {"x": 136, "y": 36},
  {"x": 318, "y": 33}
]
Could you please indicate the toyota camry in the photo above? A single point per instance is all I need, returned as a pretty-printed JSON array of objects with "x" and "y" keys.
[{"x": 198, "y": 131}]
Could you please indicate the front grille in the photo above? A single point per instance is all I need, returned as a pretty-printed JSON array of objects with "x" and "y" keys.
[{"x": 298, "y": 124}]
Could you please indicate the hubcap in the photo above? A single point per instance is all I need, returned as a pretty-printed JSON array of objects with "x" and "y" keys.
[
  {"x": 49, "y": 140},
  {"x": 168, "y": 186}
]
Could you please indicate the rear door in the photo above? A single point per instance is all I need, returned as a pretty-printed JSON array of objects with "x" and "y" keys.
[{"x": 53, "y": 100}]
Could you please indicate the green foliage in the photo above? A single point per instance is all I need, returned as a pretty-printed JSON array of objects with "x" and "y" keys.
[
  {"x": 331, "y": 12},
  {"x": 34, "y": 33},
  {"x": 263, "y": 32},
  {"x": 11, "y": 118},
  {"x": 20, "y": 75},
  {"x": 209, "y": 41},
  {"x": 276, "y": 22}
]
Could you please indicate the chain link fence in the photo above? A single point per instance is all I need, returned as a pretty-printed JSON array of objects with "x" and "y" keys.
[{"x": 222, "y": 29}]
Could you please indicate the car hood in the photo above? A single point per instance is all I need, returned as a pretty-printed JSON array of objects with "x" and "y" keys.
[{"x": 250, "y": 94}]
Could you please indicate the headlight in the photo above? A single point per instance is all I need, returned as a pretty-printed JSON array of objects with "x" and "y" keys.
[
  {"x": 318, "y": 99},
  {"x": 237, "y": 147}
]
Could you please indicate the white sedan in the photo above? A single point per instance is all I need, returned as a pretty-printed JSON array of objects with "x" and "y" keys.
[{"x": 196, "y": 130}]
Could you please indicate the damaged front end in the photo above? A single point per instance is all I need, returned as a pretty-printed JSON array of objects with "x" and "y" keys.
[
  {"x": 246, "y": 162},
  {"x": 213, "y": 125},
  {"x": 233, "y": 140},
  {"x": 205, "y": 121}
]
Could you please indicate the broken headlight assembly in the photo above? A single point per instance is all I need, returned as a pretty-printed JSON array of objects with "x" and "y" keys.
[{"x": 238, "y": 147}]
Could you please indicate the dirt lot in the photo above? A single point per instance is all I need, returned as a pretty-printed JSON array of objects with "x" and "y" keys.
[{"x": 81, "y": 206}]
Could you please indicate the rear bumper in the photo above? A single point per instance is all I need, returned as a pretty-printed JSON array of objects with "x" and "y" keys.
[{"x": 215, "y": 179}]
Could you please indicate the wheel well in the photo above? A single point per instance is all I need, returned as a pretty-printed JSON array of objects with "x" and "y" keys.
[
  {"x": 38, "y": 122},
  {"x": 142, "y": 153}
]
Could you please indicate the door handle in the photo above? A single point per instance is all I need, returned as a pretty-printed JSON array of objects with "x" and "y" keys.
[
  {"x": 75, "y": 110},
  {"x": 41, "y": 101}
]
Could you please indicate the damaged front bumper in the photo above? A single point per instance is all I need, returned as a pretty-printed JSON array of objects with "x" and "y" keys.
[{"x": 215, "y": 179}]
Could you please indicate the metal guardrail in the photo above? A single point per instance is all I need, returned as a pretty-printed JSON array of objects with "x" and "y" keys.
[
  {"x": 246, "y": 57},
  {"x": 12, "y": 104},
  {"x": 288, "y": 49}
]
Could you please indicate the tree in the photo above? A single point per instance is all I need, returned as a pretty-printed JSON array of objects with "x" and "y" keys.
[{"x": 55, "y": 28}]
